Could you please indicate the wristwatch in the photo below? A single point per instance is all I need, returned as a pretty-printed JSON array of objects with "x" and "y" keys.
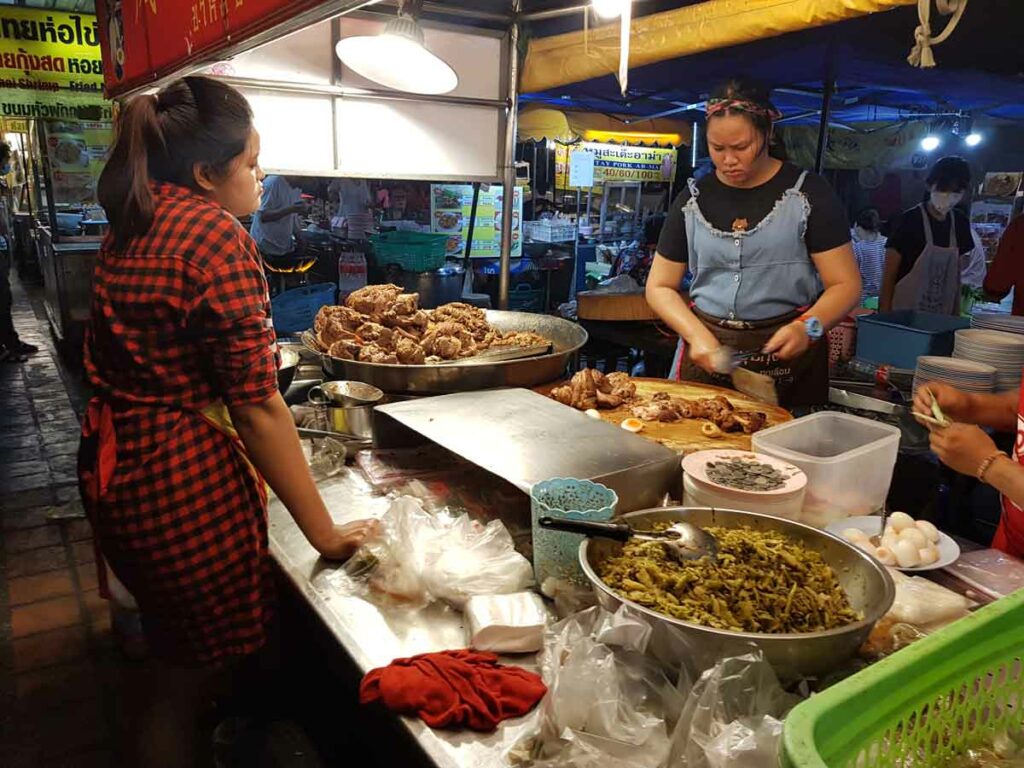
[{"x": 815, "y": 330}]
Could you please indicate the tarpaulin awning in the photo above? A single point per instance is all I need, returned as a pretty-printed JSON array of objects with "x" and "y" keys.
[
  {"x": 539, "y": 123},
  {"x": 559, "y": 60}
]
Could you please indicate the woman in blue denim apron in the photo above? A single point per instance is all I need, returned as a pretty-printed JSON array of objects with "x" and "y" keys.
[{"x": 769, "y": 249}]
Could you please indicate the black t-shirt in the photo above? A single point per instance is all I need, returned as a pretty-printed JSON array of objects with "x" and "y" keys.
[
  {"x": 908, "y": 239},
  {"x": 827, "y": 226}
]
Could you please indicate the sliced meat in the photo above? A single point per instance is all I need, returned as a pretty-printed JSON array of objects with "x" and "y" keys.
[
  {"x": 409, "y": 352},
  {"x": 374, "y": 333},
  {"x": 345, "y": 349},
  {"x": 406, "y": 304},
  {"x": 334, "y": 330},
  {"x": 371, "y": 353}
]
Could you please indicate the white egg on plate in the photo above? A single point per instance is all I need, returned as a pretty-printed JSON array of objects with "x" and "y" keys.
[
  {"x": 929, "y": 530},
  {"x": 929, "y": 555},
  {"x": 866, "y": 545},
  {"x": 885, "y": 556},
  {"x": 853, "y": 535},
  {"x": 915, "y": 536},
  {"x": 907, "y": 555},
  {"x": 890, "y": 540},
  {"x": 900, "y": 521},
  {"x": 593, "y": 413}
]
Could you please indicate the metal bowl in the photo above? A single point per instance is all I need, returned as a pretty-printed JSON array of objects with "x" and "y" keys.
[
  {"x": 287, "y": 368},
  {"x": 867, "y": 583},
  {"x": 566, "y": 337}
]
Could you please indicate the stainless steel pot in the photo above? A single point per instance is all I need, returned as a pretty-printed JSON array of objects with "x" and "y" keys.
[
  {"x": 350, "y": 421},
  {"x": 867, "y": 583},
  {"x": 442, "y": 286}
]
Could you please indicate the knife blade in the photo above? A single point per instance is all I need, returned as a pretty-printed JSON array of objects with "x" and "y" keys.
[{"x": 755, "y": 385}]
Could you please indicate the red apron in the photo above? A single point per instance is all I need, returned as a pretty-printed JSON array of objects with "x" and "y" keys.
[{"x": 1010, "y": 535}]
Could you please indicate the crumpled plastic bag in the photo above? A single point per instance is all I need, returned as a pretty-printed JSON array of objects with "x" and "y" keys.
[
  {"x": 733, "y": 717},
  {"x": 608, "y": 705},
  {"x": 423, "y": 556}
]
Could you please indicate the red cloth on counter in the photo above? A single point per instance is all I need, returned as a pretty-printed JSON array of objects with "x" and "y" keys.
[{"x": 454, "y": 689}]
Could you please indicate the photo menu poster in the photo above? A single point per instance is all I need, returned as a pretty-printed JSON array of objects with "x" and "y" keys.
[
  {"x": 451, "y": 206},
  {"x": 77, "y": 152}
]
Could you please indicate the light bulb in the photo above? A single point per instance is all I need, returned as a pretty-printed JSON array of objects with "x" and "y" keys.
[
  {"x": 608, "y": 9},
  {"x": 930, "y": 143},
  {"x": 397, "y": 59},
  {"x": 972, "y": 139}
]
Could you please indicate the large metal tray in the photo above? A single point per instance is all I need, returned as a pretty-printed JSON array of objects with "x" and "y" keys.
[{"x": 566, "y": 337}]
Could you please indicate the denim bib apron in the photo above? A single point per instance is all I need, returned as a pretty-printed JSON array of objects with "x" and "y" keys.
[{"x": 747, "y": 285}]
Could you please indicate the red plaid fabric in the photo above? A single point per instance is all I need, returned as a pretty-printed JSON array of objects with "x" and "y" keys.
[{"x": 180, "y": 320}]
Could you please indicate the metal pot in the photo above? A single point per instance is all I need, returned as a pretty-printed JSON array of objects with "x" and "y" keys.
[
  {"x": 866, "y": 581},
  {"x": 442, "y": 286},
  {"x": 349, "y": 421},
  {"x": 286, "y": 369}
]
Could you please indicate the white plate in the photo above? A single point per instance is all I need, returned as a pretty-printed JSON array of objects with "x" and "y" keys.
[{"x": 949, "y": 550}]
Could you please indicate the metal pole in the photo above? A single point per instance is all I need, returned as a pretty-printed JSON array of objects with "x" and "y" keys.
[
  {"x": 826, "y": 107},
  {"x": 511, "y": 126}
]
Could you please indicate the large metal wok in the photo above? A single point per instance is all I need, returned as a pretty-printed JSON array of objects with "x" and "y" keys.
[
  {"x": 566, "y": 338},
  {"x": 867, "y": 583}
]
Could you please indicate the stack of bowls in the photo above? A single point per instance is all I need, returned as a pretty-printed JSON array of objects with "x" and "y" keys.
[{"x": 1003, "y": 351}]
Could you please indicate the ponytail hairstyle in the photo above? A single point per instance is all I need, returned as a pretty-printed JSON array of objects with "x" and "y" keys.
[
  {"x": 752, "y": 100},
  {"x": 193, "y": 124}
]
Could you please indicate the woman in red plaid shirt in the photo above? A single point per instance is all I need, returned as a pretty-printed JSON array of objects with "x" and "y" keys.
[{"x": 181, "y": 327}]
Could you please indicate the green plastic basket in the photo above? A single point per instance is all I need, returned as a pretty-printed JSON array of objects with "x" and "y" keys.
[
  {"x": 412, "y": 251},
  {"x": 922, "y": 706}
]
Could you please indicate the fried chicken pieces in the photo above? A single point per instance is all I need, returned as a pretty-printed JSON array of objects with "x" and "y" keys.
[
  {"x": 381, "y": 324},
  {"x": 592, "y": 389}
]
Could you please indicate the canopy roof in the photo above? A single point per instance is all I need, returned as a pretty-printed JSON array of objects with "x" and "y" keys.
[
  {"x": 537, "y": 122},
  {"x": 980, "y": 70}
]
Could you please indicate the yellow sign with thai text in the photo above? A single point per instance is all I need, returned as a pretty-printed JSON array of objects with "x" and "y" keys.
[
  {"x": 618, "y": 163},
  {"x": 50, "y": 62}
]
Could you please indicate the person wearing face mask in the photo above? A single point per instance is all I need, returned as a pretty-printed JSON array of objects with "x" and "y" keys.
[
  {"x": 869, "y": 248},
  {"x": 769, "y": 248},
  {"x": 924, "y": 254}
]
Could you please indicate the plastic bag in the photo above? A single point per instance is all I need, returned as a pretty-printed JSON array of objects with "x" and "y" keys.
[
  {"x": 422, "y": 556},
  {"x": 733, "y": 717},
  {"x": 925, "y": 604},
  {"x": 608, "y": 704}
]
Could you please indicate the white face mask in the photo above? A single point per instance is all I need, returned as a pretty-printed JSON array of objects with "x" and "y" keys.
[{"x": 944, "y": 202}]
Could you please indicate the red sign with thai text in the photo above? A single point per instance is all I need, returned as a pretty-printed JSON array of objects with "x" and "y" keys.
[{"x": 145, "y": 40}]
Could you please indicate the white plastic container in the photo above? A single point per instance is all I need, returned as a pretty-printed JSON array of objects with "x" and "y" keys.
[
  {"x": 701, "y": 491},
  {"x": 848, "y": 461}
]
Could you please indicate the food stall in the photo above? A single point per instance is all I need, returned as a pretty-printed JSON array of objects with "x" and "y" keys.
[{"x": 465, "y": 474}]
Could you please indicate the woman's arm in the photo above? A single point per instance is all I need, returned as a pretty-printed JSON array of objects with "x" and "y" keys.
[
  {"x": 1007, "y": 477},
  {"x": 663, "y": 296},
  {"x": 268, "y": 432},
  {"x": 841, "y": 278},
  {"x": 891, "y": 271}
]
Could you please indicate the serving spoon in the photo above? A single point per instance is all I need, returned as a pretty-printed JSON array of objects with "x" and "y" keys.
[{"x": 683, "y": 541}]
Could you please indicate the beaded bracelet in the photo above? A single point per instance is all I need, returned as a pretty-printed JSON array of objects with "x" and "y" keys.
[{"x": 986, "y": 465}]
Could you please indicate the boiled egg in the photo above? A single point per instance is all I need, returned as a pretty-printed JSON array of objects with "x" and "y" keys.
[
  {"x": 885, "y": 556},
  {"x": 593, "y": 413},
  {"x": 915, "y": 536},
  {"x": 900, "y": 521},
  {"x": 929, "y": 530},
  {"x": 853, "y": 535},
  {"x": 907, "y": 555},
  {"x": 867, "y": 546},
  {"x": 632, "y": 425},
  {"x": 929, "y": 555}
]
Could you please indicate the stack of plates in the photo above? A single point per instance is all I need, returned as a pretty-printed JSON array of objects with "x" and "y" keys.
[
  {"x": 965, "y": 375},
  {"x": 994, "y": 321},
  {"x": 1003, "y": 351}
]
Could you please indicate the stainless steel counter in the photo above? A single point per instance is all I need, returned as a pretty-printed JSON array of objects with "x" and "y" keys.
[
  {"x": 67, "y": 267},
  {"x": 373, "y": 637}
]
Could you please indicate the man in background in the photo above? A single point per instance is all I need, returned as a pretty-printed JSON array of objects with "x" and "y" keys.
[
  {"x": 276, "y": 225},
  {"x": 12, "y": 348}
]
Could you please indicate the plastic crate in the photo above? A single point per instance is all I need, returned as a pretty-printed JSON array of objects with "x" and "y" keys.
[
  {"x": 842, "y": 342},
  {"x": 413, "y": 251},
  {"x": 848, "y": 461},
  {"x": 922, "y": 706},
  {"x": 899, "y": 338},
  {"x": 549, "y": 231},
  {"x": 295, "y": 310}
]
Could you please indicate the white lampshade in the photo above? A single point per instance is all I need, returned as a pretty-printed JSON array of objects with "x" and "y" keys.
[
  {"x": 398, "y": 59},
  {"x": 608, "y": 9}
]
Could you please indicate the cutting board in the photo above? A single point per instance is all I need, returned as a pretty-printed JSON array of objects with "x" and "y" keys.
[{"x": 684, "y": 437}]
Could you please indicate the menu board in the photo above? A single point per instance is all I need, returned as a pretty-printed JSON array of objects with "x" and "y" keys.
[
  {"x": 451, "y": 206},
  {"x": 77, "y": 152}
]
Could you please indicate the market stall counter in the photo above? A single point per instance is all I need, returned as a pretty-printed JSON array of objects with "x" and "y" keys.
[{"x": 372, "y": 637}]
